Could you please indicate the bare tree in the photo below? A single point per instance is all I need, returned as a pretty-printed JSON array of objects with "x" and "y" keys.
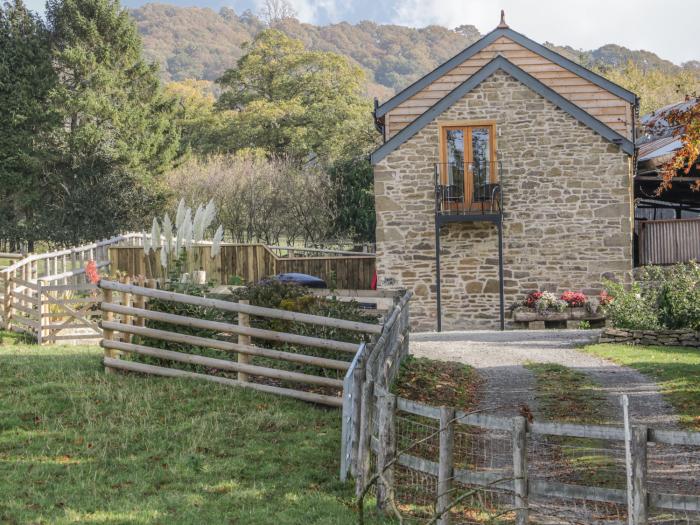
[
  {"x": 261, "y": 200},
  {"x": 274, "y": 11}
]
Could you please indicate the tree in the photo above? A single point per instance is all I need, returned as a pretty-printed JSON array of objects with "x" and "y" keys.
[
  {"x": 296, "y": 103},
  {"x": 274, "y": 11},
  {"x": 654, "y": 87},
  {"x": 26, "y": 121},
  {"x": 353, "y": 181},
  {"x": 117, "y": 135},
  {"x": 261, "y": 199},
  {"x": 201, "y": 126}
]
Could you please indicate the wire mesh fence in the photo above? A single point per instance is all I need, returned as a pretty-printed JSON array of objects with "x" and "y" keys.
[{"x": 575, "y": 474}]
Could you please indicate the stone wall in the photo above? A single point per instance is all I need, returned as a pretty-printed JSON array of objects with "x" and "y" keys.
[
  {"x": 651, "y": 337},
  {"x": 567, "y": 220}
]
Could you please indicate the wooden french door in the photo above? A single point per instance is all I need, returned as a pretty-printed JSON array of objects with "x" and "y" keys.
[{"x": 467, "y": 163}]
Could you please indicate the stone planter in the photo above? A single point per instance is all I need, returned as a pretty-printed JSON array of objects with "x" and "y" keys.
[{"x": 569, "y": 318}]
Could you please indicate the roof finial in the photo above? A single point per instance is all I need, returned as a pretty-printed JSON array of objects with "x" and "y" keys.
[{"x": 503, "y": 24}]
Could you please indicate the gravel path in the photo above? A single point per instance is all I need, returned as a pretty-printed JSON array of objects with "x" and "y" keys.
[{"x": 499, "y": 358}]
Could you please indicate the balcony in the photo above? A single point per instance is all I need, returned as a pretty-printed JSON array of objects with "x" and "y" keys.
[{"x": 468, "y": 191}]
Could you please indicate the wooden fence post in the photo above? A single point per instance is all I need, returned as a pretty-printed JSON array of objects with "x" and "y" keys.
[
  {"x": 387, "y": 450},
  {"x": 405, "y": 329},
  {"x": 243, "y": 321},
  {"x": 519, "y": 435},
  {"x": 365, "y": 439},
  {"x": 446, "y": 465},
  {"x": 127, "y": 300},
  {"x": 7, "y": 301},
  {"x": 357, "y": 382},
  {"x": 140, "y": 302},
  {"x": 639, "y": 513},
  {"x": 42, "y": 308},
  {"x": 107, "y": 334}
]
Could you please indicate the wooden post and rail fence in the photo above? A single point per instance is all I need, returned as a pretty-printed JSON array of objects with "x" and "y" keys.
[
  {"x": 48, "y": 297},
  {"x": 124, "y": 315},
  {"x": 374, "y": 420}
]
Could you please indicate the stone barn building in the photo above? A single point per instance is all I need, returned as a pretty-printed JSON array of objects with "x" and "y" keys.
[{"x": 507, "y": 169}]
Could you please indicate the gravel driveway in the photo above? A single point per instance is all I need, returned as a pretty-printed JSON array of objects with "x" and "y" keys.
[{"x": 499, "y": 358}]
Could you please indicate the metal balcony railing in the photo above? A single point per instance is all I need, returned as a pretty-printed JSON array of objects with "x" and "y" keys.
[{"x": 468, "y": 188}]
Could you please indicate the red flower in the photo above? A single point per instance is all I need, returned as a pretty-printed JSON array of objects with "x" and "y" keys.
[
  {"x": 574, "y": 299},
  {"x": 91, "y": 272},
  {"x": 605, "y": 298},
  {"x": 531, "y": 299}
]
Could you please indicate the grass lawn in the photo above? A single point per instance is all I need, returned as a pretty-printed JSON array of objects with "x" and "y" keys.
[
  {"x": 438, "y": 383},
  {"x": 675, "y": 369},
  {"x": 77, "y": 445},
  {"x": 564, "y": 394}
]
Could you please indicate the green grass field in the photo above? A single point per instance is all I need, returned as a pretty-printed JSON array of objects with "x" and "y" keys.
[
  {"x": 77, "y": 445},
  {"x": 675, "y": 369}
]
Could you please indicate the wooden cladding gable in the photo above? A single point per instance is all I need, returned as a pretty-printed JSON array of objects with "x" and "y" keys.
[{"x": 595, "y": 100}]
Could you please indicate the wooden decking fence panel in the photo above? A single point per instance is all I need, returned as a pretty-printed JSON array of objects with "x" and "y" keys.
[{"x": 251, "y": 263}]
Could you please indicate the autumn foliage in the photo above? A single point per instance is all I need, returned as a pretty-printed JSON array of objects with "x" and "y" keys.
[{"x": 686, "y": 124}]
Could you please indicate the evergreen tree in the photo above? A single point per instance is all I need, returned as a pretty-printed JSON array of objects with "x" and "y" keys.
[
  {"x": 26, "y": 120},
  {"x": 354, "y": 199},
  {"x": 117, "y": 134}
]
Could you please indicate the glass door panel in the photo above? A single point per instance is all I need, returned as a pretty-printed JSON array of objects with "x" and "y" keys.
[
  {"x": 454, "y": 167},
  {"x": 480, "y": 149}
]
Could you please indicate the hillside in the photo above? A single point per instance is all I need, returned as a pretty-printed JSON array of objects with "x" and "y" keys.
[{"x": 191, "y": 42}]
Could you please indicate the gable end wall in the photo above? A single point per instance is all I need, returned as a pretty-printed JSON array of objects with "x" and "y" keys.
[{"x": 567, "y": 221}]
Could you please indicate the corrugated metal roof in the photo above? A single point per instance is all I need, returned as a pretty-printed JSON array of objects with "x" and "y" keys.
[
  {"x": 654, "y": 125},
  {"x": 658, "y": 148}
]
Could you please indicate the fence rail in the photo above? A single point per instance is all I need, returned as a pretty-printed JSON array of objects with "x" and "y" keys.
[{"x": 125, "y": 320}]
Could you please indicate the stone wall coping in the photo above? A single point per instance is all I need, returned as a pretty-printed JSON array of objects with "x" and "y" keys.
[{"x": 660, "y": 337}]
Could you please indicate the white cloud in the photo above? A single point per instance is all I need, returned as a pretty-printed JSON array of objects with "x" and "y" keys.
[
  {"x": 638, "y": 24},
  {"x": 448, "y": 13}
]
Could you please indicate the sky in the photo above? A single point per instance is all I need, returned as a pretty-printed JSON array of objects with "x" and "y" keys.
[{"x": 665, "y": 27}]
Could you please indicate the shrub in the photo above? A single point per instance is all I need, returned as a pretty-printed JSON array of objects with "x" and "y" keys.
[
  {"x": 679, "y": 296},
  {"x": 634, "y": 309},
  {"x": 660, "y": 298}
]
